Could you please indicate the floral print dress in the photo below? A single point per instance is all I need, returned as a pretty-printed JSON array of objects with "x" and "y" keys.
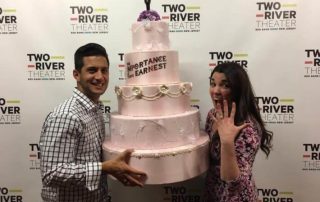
[{"x": 243, "y": 188}]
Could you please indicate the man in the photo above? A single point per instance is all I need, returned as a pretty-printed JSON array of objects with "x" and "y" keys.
[{"x": 72, "y": 135}]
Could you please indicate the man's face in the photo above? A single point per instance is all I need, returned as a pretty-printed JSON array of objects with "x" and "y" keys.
[{"x": 93, "y": 78}]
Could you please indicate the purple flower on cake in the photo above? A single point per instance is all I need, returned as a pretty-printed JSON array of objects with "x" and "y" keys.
[{"x": 149, "y": 15}]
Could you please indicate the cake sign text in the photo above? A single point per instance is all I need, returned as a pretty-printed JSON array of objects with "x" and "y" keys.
[{"x": 146, "y": 66}]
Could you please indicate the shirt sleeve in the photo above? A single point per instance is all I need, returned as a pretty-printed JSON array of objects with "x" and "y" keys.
[
  {"x": 247, "y": 145},
  {"x": 58, "y": 147}
]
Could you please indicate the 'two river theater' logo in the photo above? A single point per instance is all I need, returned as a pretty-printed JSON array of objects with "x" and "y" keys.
[
  {"x": 181, "y": 193},
  {"x": 45, "y": 67},
  {"x": 8, "y": 21},
  {"x": 121, "y": 67},
  {"x": 273, "y": 195},
  {"x": 217, "y": 58},
  {"x": 275, "y": 110},
  {"x": 9, "y": 111},
  {"x": 312, "y": 63},
  {"x": 34, "y": 156},
  {"x": 89, "y": 20},
  {"x": 311, "y": 157},
  {"x": 272, "y": 16},
  {"x": 10, "y": 195},
  {"x": 182, "y": 18}
]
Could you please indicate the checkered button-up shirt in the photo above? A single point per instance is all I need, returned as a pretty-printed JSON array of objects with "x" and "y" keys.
[{"x": 71, "y": 152}]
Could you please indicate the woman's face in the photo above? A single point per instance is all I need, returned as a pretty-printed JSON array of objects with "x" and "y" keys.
[{"x": 219, "y": 88}]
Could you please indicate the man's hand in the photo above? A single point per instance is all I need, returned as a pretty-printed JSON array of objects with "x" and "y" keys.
[{"x": 119, "y": 168}]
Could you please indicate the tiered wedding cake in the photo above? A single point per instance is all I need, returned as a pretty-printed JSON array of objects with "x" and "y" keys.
[{"x": 154, "y": 114}]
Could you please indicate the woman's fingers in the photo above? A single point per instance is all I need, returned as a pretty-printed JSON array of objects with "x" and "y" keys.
[
  {"x": 224, "y": 113},
  {"x": 233, "y": 111},
  {"x": 225, "y": 109},
  {"x": 219, "y": 113}
]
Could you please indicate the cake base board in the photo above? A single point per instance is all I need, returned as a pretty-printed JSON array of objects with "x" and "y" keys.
[{"x": 164, "y": 166}]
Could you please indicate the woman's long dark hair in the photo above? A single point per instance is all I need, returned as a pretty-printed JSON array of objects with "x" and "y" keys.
[{"x": 243, "y": 95}]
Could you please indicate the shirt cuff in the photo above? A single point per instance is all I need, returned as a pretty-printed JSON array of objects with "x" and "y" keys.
[{"x": 93, "y": 175}]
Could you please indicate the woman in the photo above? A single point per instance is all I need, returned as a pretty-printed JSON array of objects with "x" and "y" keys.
[{"x": 237, "y": 132}]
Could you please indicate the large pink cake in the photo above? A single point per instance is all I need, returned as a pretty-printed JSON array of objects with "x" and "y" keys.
[{"x": 154, "y": 115}]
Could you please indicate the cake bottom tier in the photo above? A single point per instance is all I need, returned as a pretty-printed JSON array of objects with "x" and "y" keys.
[
  {"x": 164, "y": 166},
  {"x": 154, "y": 132}
]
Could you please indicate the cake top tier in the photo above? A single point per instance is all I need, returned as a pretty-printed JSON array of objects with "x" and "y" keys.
[
  {"x": 149, "y": 33},
  {"x": 150, "y": 36}
]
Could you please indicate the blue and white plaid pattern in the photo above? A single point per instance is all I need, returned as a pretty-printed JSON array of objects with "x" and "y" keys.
[{"x": 71, "y": 152}]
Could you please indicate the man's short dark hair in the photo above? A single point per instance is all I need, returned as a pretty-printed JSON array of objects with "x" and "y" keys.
[{"x": 90, "y": 49}]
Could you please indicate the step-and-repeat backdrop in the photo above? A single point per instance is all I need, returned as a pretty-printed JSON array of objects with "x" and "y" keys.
[{"x": 276, "y": 41}]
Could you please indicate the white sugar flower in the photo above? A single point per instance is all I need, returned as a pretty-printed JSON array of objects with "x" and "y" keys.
[
  {"x": 164, "y": 90},
  {"x": 118, "y": 91},
  {"x": 137, "y": 92},
  {"x": 183, "y": 89}
]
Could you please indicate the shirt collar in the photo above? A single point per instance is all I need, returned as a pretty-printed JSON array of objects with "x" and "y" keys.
[{"x": 83, "y": 99}]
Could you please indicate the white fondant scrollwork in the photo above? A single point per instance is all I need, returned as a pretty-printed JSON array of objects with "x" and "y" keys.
[
  {"x": 163, "y": 90},
  {"x": 161, "y": 154}
]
